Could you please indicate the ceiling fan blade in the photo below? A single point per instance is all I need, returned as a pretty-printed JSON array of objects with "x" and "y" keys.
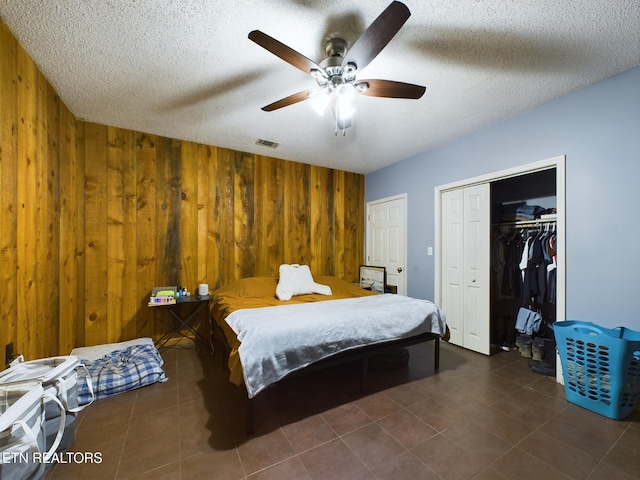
[
  {"x": 377, "y": 35},
  {"x": 291, "y": 99},
  {"x": 389, "y": 89},
  {"x": 287, "y": 54}
]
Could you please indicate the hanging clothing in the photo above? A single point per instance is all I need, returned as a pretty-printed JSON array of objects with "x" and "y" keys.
[
  {"x": 523, "y": 262},
  {"x": 511, "y": 279},
  {"x": 551, "y": 269}
]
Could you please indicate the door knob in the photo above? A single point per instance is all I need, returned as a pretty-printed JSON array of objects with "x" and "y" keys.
[{"x": 399, "y": 269}]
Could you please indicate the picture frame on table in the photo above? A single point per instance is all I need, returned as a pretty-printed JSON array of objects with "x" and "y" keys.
[{"x": 373, "y": 278}]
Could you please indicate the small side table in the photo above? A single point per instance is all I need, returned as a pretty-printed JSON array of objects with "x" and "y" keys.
[{"x": 198, "y": 302}]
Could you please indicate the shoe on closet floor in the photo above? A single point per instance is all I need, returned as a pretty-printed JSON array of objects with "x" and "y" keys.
[
  {"x": 542, "y": 368},
  {"x": 537, "y": 348},
  {"x": 523, "y": 342}
]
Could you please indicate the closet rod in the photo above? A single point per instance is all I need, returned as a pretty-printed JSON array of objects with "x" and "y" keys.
[{"x": 527, "y": 223}]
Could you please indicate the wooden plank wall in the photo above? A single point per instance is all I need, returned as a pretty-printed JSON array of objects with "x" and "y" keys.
[
  {"x": 92, "y": 217},
  {"x": 39, "y": 193},
  {"x": 160, "y": 211}
]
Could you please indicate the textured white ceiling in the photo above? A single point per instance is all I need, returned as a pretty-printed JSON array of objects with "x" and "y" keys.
[{"x": 186, "y": 69}]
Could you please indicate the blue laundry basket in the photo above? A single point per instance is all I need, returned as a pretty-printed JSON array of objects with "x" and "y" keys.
[{"x": 601, "y": 367}]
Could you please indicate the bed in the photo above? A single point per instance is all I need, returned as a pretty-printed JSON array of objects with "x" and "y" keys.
[{"x": 267, "y": 339}]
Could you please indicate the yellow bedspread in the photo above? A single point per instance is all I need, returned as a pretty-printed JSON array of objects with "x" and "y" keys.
[{"x": 257, "y": 292}]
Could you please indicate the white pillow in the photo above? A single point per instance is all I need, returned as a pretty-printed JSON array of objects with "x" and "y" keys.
[{"x": 297, "y": 280}]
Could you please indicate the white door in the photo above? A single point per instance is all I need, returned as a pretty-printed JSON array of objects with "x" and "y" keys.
[
  {"x": 477, "y": 319},
  {"x": 386, "y": 239},
  {"x": 452, "y": 229},
  {"x": 465, "y": 221}
]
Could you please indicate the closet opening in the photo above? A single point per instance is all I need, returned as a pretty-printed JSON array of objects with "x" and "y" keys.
[{"x": 523, "y": 274}]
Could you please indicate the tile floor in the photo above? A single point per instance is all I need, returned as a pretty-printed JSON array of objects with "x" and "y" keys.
[{"x": 480, "y": 417}]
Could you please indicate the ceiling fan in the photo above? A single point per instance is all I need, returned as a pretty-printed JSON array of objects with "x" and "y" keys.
[{"x": 336, "y": 75}]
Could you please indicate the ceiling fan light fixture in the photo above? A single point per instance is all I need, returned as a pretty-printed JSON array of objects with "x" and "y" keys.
[
  {"x": 346, "y": 93},
  {"x": 344, "y": 105},
  {"x": 319, "y": 102},
  {"x": 319, "y": 74},
  {"x": 349, "y": 72},
  {"x": 345, "y": 112},
  {"x": 362, "y": 87}
]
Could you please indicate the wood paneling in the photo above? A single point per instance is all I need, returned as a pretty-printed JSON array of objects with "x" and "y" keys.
[
  {"x": 93, "y": 217},
  {"x": 121, "y": 233},
  {"x": 210, "y": 266},
  {"x": 204, "y": 214},
  {"x": 38, "y": 211},
  {"x": 269, "y": 215},
  {"x": 95, "y": 225},
  {"x": 146, "y": 232},
  {"x": 297, "y": 221},
  {"x": 8, "y": 187},
  {"x": 80, "y": 234},
  {"x": 68, "y": 254},
  {"x": 28, "y": 229}
]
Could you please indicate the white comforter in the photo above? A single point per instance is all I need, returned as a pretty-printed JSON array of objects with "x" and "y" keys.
[{"x": 278, "y": 340}]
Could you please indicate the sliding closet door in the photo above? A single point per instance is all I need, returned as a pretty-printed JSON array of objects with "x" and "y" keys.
[{"x": 465, "y": 218}]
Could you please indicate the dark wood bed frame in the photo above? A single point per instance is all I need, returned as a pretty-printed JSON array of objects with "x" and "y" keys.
[{"x": 363, "y": 354}]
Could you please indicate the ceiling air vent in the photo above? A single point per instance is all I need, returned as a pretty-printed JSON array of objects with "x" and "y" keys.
[{"x": 267, "y": 143}]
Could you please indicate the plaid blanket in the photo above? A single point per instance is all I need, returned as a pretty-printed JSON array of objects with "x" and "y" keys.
[{"x": 121, "y": 371}]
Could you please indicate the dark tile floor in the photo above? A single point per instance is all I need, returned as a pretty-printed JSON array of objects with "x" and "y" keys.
[{"x": 479, "y": 417}]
